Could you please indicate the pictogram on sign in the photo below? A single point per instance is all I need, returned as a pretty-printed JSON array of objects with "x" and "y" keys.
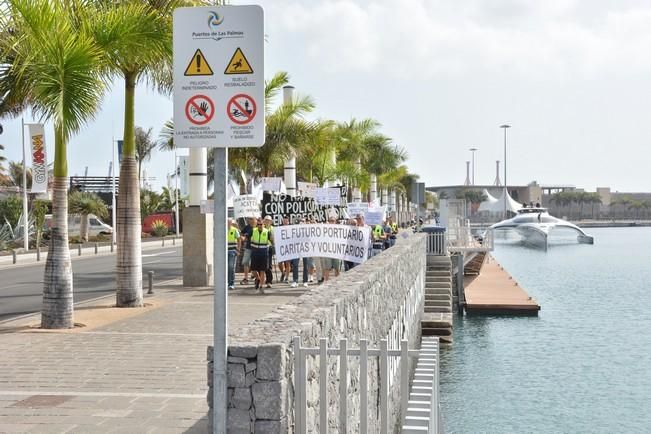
[
  {"x": 198, "y": 65},
  {"x": 199, "y": 109},
  {"x": 241, "y": 109},
  {"x": 238, "y": 64}
]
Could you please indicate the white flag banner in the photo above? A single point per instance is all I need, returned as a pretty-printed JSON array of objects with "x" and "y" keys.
[
  {"x": 246, "y": 206},
  {"x": 39, "y": 158},
  {"x": 349, "y": 243},
  {"x": 327, "y": 196}
]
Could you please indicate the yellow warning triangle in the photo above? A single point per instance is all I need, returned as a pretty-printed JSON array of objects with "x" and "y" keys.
[
  {"x": 238, "y": 64},
  {"x": 198, "y": 65}
]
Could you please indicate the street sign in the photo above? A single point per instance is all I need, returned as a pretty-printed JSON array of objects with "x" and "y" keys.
[{"x": 211, "y": 108}]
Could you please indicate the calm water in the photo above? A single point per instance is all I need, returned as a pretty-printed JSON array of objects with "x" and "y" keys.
[{"x": 582, "y": 366}]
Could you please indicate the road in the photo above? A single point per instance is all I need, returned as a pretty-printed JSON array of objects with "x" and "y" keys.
[{"x": 21, "y": 286}]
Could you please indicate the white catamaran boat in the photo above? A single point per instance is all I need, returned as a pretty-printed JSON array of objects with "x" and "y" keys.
[{"x": 534, "y": 225}]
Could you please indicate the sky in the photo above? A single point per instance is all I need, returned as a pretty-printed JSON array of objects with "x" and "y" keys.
[{"x": 572, "y": 78}]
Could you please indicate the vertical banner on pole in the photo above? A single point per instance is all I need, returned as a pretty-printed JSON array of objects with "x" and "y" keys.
[
  {"x": 219, "y": 109},
  {"x": 39, "y": 158}
]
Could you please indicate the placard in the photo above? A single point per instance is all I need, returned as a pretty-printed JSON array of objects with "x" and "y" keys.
[
  {"x": 270, "y": 184},
  {"x": 348, "y": 243},
  {"x": 307, "y": 189},
  {"x": 327, "y": 196},
  {"x": 246, "y": 206}
]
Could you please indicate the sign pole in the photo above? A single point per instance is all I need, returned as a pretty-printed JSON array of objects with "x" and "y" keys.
[
  {"x": 113, "y": 219},
  {"x": 176, "y": 191},
  {"x": 220, "y": 401},
  {"x": 25, "y": 215}
]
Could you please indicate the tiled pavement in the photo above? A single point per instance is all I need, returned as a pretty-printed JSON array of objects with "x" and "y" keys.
[{"x": 141, "y": 374}]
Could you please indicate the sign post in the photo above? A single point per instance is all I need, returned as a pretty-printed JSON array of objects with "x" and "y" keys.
[{"x": 220, "y": 110}]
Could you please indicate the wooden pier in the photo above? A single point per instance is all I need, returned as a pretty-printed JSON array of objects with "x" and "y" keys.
[{"x": 494, "y": 291}]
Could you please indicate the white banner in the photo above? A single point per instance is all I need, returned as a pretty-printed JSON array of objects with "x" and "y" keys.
[
  {"x": 355, "y": 208},
  {"x": 327, "y": 196},
  {"x": 307, "y": 189},
  {"x": 39, "y": 158},
  {"x": 246, "y": 206},
  {"x": 270, "y": 184},
  {"x": 374, "y": 216},
  {"x": 184, "y": 175},
  {"x": 349, "y": 243}
]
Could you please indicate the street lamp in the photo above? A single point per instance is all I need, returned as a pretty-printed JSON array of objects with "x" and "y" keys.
[
  {"x": 473, "y": 164},
  {"x": 506, "y": 190}
]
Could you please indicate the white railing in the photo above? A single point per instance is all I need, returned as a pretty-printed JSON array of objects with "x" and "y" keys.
[
  {"x": 384, "y": 355},
  {"x": 437, "y": 244}
]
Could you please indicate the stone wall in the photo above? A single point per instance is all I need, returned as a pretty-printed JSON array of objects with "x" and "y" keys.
[{"x": 380, "y": 299}]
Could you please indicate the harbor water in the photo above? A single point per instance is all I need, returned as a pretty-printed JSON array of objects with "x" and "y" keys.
[{"x": 582, "y": 366}]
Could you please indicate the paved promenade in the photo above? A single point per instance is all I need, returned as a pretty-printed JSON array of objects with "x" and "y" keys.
[{"x": 127, "y": 370}]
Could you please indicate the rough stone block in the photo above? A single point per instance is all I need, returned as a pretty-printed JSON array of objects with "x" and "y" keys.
[
  {"x": 235, "y": 375},
  {"x": 248, "y": 352},
  {"x": 209, "y": 353},
  {"x": 239, "y": 421},
  {"x": 250, "y": 379},
  {"x": 241, "y": 398},
  {"x": 250, "y": 367},
  {"x": 240, "y": 360},
  {"x": 270, "y": 427},
  {"x": 269, "y": 399},
  {"x": 271, "y": 363}
]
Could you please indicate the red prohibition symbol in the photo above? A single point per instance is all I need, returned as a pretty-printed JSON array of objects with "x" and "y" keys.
[
  {"x": 199, "y": 109},
  {"x": 241, "y": 109}
]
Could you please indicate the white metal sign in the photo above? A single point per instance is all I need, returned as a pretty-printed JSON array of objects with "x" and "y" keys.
[{"x": 219, "y": 76}]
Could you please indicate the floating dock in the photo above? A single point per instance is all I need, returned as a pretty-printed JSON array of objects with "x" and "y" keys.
[{"x": 494, "y": 291}]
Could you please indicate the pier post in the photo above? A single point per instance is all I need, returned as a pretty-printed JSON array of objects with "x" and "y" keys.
[{"x": 460, "y": 290}]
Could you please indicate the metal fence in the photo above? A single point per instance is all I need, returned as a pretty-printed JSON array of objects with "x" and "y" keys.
[
  {"x": 384, "y": 355},
  {"x": 437, "y": 244}
]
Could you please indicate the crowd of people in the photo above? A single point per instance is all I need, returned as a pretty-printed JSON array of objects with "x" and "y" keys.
[{"x": 254, "y": 244}]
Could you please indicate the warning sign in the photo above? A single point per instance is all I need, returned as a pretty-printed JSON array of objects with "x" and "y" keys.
[
  {"x": 238, "y": 64},
  {"x": 198, "y": 65},
  {"x": 199, "y": 109},
  {"x": 241, "y": 109}
]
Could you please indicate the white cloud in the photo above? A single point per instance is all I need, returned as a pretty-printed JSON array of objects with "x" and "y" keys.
[{"x": 432, "y": 38}]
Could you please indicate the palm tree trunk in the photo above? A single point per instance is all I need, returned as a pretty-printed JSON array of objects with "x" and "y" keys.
[
  {"x": 57, "y": 310},
  {"x": 83, "y": 227},
  {"x": 129, "y": 260}
]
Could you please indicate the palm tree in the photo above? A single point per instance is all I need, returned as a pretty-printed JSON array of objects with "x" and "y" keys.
[
  {"x": 144, "y": 147},
  {"x": 15, "y": 175},
  {"x": 51, "y": 66},
  {"x": 3, "y": 177},
  {"x": 136, "y": 41},
  {"x": 85, "y": 203}
]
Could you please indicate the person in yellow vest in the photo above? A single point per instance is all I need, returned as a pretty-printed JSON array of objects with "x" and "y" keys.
[
  {"x": 270, "y": 253},
  {"x": 394, "y": 232},
  {"x": 378, "y": 239},
  {"x": 259, "y": 252},
  {"x": 233, "y": 239}
]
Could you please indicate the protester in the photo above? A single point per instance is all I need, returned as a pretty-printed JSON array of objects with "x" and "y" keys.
[
  {"x": 378, "y": 240},
  {"x": 394, "y": 232},
  {"x": 259, "y": 252},
  {"x": 270, "y": 253},
  {"x": 246, "y": 233},
  {"x": 285, "y": 267},
  {"x": 328, "y": 264},
  {"x": 234, "y": 243}
]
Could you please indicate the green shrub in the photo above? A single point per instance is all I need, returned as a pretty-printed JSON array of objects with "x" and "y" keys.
[
  {"x": 10, "y": 210},
  {"x": 159, "y": 228}
]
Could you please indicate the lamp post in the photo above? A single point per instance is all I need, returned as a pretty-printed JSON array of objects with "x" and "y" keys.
[
  {"x": 473, "y": 164},
  {"x": 506, "y": 189}
]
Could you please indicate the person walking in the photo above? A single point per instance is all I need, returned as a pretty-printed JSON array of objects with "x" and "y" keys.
[
  {"x": 234, "y": 243},
  {"x": 378, "y": 239},
  {"x": 246, "y": 233},
  {"x": 259, "y": 251},
  {"x": 285, "y": 267},
  {"x": 270, "y": 252}
]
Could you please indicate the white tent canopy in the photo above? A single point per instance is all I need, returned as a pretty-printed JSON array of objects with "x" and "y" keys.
[{"x": 497, "y": 205}]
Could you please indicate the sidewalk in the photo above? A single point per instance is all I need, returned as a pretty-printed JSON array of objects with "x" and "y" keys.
[
  {"x": 103, "y": 249},
  {"x": 126, "y": 371}
]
